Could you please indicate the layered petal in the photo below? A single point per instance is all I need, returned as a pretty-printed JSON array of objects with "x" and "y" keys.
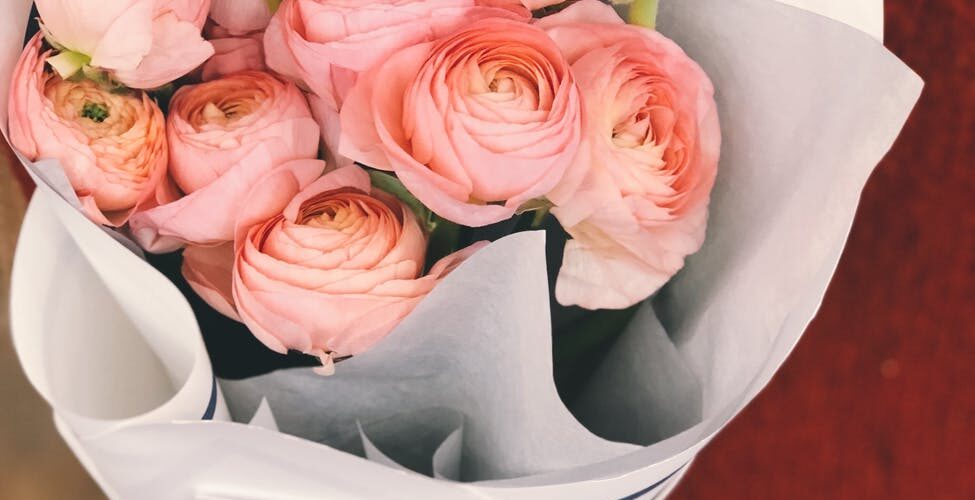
[
  {"x": 209, "y": 272},
  {"x": 177, "y": 48}
]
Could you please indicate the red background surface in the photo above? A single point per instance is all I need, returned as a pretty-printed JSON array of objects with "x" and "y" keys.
[{"x": 877, "y": 400}]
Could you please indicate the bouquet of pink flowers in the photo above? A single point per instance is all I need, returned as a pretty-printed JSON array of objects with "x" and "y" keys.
[
  {"x": 322, "y": 165},
  {"x": 497, "y": 226}
]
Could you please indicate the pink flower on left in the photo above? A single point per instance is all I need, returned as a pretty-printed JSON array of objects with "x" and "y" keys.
[
  {"x": 327, "y": 266},
  {"x": 112, "y": 145},
  {"x": 224, "y": 135},
  {"x": 142, "y": 43}
]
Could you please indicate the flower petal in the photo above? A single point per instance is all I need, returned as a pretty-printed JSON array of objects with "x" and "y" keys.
[{"x": 177, "y": 48}]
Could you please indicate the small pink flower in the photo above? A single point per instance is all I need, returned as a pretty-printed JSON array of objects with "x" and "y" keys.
[
  {"x": 328, "y": 268},
  {"x": 224, "y": 135},
  {"x": 112, "y": 145},
  {"x": 474, "y": 124},
  {"x": 142, "y": 43},
  {"x": 635, "y": 201}
]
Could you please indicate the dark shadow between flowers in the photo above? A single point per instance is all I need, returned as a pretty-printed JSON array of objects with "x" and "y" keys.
[{"x": 234, "y": 352}]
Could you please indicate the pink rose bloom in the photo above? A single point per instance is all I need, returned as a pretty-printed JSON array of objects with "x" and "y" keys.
[
  {"x": 240, "y": 17},
  {"x": 474, "y": 124},
  {"x": 327, "y": 270},
  {"x": 635, "y": 202},
  {"x": 112, "y": 145},
  {"x": 224, "y": 135},
  {"x": 141, "y": 43},
  {"x": 326, "y": 44}
]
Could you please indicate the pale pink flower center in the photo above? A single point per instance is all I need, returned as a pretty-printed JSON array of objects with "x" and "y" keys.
[
  {"x": 648, "y": 133},
  {"x": 508, "y": 84},
  {"x": 220, "y": 104}
]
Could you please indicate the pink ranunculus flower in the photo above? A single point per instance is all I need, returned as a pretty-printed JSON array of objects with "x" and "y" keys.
[
  {"x": 224, "y": 135},
  {"x": 327, "y": 270},
  {"x": 326, "y": 44},
  {"x": 474, "y": 124},
  {"x": 240, "y": 17},
  {"x": 635, "y": 201},
  {"x": 142, "y": 43},
  {"x": 112, "y": 145}
]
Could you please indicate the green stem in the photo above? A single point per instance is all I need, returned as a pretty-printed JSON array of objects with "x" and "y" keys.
[
  {"x": 390, "y": 184},
  {"x": 444, "y": 240},
  {"x": 539, "y": 217},
  {"x": 643, "y": 13},
  {"x": 67, "y": 63}
]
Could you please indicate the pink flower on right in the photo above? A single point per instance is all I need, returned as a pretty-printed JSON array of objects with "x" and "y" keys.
[{"x": 635, "y": 200}]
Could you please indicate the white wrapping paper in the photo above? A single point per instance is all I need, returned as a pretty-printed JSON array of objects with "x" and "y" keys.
[{"x": 463, "y": 388}]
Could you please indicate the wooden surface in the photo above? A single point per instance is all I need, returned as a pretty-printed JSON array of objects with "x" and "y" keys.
[
  {"x": 34, "y": 462},
  {"x": 877, "y": 400}
]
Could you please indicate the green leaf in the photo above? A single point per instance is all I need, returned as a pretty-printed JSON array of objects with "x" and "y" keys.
[
  {"x": 390, "y": 184},
  {"x": 273, "y": 5},
  {"x": 539, "y": 217},
  {"x": 68, "y": 63},
  {"x": 540, "y": 206},
  {"x": 533, "y": 205},
  {"x": 444, "y": 240},
  {"x": 94, "y": 74},
  {"x": 643, "y": 13}
]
